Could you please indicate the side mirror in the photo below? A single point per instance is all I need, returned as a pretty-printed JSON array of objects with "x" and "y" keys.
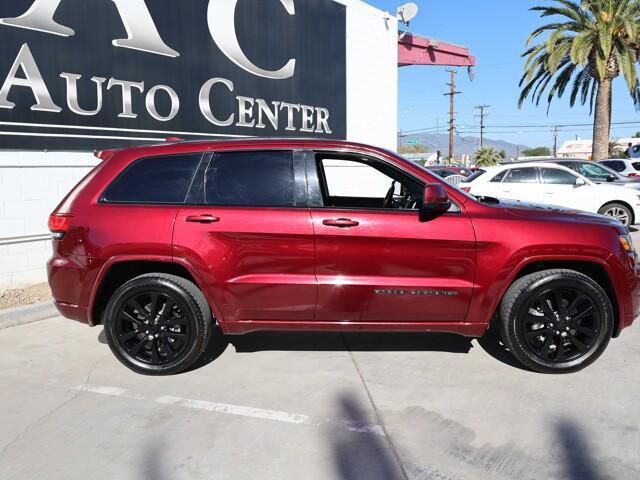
[
  {"x": 611, "y": 178},
  {"x": 435, "y": 202},
  {"x": 580, "y": 182}
]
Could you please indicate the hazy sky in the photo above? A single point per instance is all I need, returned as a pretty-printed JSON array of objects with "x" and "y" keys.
[{"x": 495, "y": 31}]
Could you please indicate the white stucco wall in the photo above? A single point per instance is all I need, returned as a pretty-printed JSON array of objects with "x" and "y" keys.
[
  {"x": 33, "y": 183},
  {"x": 372, "y": 75}
]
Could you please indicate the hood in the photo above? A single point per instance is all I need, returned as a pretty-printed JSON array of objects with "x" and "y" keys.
[
  {"x": 551, "y": 212},
  {"x": 621, "y": 181}
]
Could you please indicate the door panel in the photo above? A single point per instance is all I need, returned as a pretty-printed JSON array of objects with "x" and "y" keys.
[
  {"x": 391, "y": 267},
  {"x": 561, "y": 189},
  {"x": 259, "y": 262}
]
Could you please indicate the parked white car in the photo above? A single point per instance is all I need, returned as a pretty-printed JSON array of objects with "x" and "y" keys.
[
  {"x": 629, "y": 167},
  {"x": 551, "y": 184}
]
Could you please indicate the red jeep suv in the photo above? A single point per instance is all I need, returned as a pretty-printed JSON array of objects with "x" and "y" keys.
[{"x": 163, "y": 244}]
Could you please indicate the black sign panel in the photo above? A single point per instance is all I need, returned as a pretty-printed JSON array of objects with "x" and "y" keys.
[{"x": 85, "y": 74}]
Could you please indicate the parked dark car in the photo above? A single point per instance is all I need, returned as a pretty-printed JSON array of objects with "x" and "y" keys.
[
  {"x": 170, "y": 246},
  {"x": 443, "y": 172}
]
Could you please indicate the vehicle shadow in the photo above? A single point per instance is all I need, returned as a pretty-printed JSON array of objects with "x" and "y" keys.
[
  {"x": 492, "y": 344},
  {"x": 350, "y": 341},
  {"x": 358, "y": 342}
]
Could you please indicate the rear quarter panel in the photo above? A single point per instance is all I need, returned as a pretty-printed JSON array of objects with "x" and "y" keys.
[{"x": 104, "y": 232}]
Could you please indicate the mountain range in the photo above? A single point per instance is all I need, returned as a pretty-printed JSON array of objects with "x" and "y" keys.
[{"x": 462, "y": 145}]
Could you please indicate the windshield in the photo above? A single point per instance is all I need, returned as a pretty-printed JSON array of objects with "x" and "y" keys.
[
  {"x": 474, "y": 175},
  {"x": 456, "y": 187}
]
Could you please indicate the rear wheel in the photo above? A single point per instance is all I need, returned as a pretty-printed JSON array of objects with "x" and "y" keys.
[
  {"x": 620, "y": 212},
  {"x": 158, "y": 324},
  {"x": 556, "y": 321}
]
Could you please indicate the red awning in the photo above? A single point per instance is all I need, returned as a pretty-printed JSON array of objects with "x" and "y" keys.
[{"x": 415, "y": 50}]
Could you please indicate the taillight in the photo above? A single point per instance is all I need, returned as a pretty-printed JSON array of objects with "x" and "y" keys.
[
  {"x": 59, "y": 224},
  {"x": 633, "y": 175}
]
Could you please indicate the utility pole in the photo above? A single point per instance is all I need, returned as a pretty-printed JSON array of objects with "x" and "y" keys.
[
  {"x": 482, "y": 116},
  {"x": 555, "y": 141},
  {"x": 452, "y": 114}
]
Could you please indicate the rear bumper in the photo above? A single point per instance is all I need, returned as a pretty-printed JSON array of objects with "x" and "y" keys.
[
  {"x": 72, "y": 312},
  {"x": 71, "y": 281}
]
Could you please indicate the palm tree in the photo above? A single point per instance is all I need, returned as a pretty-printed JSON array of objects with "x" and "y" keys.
[
  {"x": 616, "y": 151},
  {"x": 487, "y": 157},
  {"x": 594, "y": 42}
]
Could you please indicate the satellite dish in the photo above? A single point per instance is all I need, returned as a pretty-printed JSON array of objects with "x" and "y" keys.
[{"x": 407, "y": 12}]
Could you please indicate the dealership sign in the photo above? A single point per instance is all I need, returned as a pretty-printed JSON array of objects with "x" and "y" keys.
[{"x": 95, "y": 73}]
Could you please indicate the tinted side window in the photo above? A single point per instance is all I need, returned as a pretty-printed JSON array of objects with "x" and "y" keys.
[
  {"x": 636, "y": 165},
  {"x": 555, "y": 176},
  {"x": 155, "y": 180},
  {"x": 498, "y": 178},
  {"x": 260, "y": 179},
  {"x": 617, "y": 166},
  {"x": 522, "y": 175}
]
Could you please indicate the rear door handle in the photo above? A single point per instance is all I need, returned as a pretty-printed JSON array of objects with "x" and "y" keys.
[
  {"x": 340, "y": 223},
  {"x": 202, "y": 219}
]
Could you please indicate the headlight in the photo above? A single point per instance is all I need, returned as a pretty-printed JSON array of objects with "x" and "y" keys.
[{"x": 626, "y": 242}]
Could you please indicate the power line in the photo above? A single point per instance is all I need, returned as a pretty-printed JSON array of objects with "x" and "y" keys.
[
  {"x": 452, "y": 114},
  {"x": 482, "y": 116},
  {"x": 546, "y": 127}
]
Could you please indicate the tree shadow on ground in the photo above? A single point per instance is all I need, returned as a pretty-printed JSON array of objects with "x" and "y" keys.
[
  {"x": 579, "y": 461},
  {"x": 360, "y": 455}
]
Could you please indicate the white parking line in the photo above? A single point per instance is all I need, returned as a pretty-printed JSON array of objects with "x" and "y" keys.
[
  {"x": 215, "y": 407},
  {"x": 237, "y": 410}
]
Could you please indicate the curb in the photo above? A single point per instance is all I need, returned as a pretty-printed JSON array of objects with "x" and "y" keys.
[{"x": 12, "y": 317}]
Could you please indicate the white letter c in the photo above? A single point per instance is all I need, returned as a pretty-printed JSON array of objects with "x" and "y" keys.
[{"x": 221, "y": 19}]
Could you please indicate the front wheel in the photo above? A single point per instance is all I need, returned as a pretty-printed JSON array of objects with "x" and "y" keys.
[
  {"x": 556, "y": 321},
  {"x": 158, "y": 324},
  {"x": 620, "y": 212}
]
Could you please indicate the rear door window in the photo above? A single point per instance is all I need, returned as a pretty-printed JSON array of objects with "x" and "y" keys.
[
  {"x": 522, "y": 175},
  {"x": 259, "y": 179},
  {"x": 162, "y": 180}
]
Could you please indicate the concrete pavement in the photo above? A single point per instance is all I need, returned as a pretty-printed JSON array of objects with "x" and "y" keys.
[
  {"x": 291, "y": 406},
  {"x": 308, "y": 406}
]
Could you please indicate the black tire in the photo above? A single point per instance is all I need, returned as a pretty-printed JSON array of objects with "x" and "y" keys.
[
  {"x": 556, "y": 321},
  {"x": 166, "y": 332},
  {"x": 618, "y": 211}
]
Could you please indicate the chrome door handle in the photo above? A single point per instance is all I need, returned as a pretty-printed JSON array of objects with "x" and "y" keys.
[
  {"x": 202, "y": 219},
  {"x": 340, "y": 223}
]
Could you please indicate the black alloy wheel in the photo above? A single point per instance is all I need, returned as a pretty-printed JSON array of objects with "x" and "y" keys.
[
  {"x": 561, "y": 325},
  {"x": 158, "y": 324},
  {"x": 152, "y": 327},
  {"x": 556, "y": 321}
]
